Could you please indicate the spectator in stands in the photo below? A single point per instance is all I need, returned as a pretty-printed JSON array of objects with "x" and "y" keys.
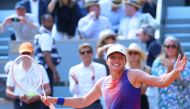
[
  {"x": 16, "y": 94},
  {"x": 121, "y": 89},
  {"x": 114, "y": 11},
  {"x": 37, "y": 8},
  {"x": 153, "y": 47},
  {"x": 22, "y": 23},
  {"x": 134, "y": 20},
  {"x": 149, "y": 6},
  {"x": 93, "y": 23},
  {"x": 66, "y": 14},
  {"x": 136, "y": 60},
  {"x": 175, "y": 96},
  {"x": 106, "y": 39},
  {"x": 82, "y": 77},
  {"x": 45, "y": 49}
]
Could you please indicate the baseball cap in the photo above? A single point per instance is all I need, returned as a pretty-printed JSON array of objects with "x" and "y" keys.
[
  {"x": 20, "y": 4},
  {"x": 116, "y": 48},
  {"x": 26, "y": 47}
]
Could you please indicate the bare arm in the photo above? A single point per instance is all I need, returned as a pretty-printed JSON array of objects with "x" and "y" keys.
[
  {"x": 48, "y": 60},
  {"x": 144, "y": 86},
  {"x": 79, "y": 102},
  {"x": 35, "y": 98},
  {"x": 73, "y": 82},
  {"x": 9, "y": 92},
  {"x": 164, "y": 80},
  {"x": 51, "y": 5},
  {"x": 47, "y": 89},
  {"x": 5, "y": 23},
  {"x": 29, "y": 23}
]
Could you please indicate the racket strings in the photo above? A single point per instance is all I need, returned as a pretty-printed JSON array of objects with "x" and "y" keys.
[
  {"x": 27, "y": 63},
  {"x": 26, "y": 74}
]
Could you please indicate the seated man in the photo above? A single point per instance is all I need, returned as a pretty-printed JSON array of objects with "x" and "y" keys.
[
  {"x": 93, "y": 23},
  {"x": 20, "y": 100}
]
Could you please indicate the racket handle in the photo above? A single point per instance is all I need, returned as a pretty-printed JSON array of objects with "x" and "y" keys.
[{"x": 51, "y": 106}]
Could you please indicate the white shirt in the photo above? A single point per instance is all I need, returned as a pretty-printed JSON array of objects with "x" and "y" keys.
[
  {"x": 130, "y": 25},
  {"x": 34, "y": 9},
  {"x": 84, "y": 76},
  {"x": 45, "y": 40},
  {"x": 17, "y": 91},
  {"x": 114, "y": 16},
  {"x": 90, "y": 28}
]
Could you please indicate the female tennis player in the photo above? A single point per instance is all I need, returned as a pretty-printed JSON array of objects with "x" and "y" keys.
[{"x": 121, "y": 89}]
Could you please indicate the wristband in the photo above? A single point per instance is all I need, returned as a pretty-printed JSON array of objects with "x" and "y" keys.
[{"x": 60, "y": 101}]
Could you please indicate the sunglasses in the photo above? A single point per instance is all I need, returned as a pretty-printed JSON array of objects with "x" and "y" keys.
[
  {"x": 170, "y": 46},
  {"x": 26, "y": 53},
  {"x": 85, "y": 52},
  {"x": 133, "y": 53}
]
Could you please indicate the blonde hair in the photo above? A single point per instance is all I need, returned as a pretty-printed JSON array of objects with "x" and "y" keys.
[
  {"x": 141, "y": 61},
  {"x": 142, "y": 57}
]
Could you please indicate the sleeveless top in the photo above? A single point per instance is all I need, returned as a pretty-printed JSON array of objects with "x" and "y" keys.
[{"x": 120, "y": 94}]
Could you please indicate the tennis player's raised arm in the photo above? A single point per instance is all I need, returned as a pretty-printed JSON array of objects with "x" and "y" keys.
[
  {"x": 166, "y": 79},
  {"x": 77, "y": 102}
]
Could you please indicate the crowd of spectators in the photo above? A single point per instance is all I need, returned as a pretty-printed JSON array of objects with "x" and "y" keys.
[
  {"x": 81, "y": 19},
  {"x": 105, "y": 21}
]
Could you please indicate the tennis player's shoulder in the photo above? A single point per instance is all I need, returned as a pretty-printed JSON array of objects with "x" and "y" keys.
[
  {"x": 134, "y": 72},
  {"x": 101, "y": 81}
]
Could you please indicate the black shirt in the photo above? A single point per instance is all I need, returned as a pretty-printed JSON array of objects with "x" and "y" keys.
[
  {"x": 153, "y": 48},
  {"x": 66, "y": 18}
]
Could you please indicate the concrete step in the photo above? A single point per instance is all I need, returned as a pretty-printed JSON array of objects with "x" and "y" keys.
[
  {"x": 182, "y": 37},
  {"x": 4, "y": 57},
  {"x": 175, "y": 30},
  {"x": 177, "y": 12}
]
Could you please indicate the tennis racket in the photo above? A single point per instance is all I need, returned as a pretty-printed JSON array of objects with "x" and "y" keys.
[{"x": 28, "y": 76}]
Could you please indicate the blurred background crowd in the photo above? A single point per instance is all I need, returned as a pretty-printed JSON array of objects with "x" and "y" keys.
[{"x": 70, "y": 32}]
